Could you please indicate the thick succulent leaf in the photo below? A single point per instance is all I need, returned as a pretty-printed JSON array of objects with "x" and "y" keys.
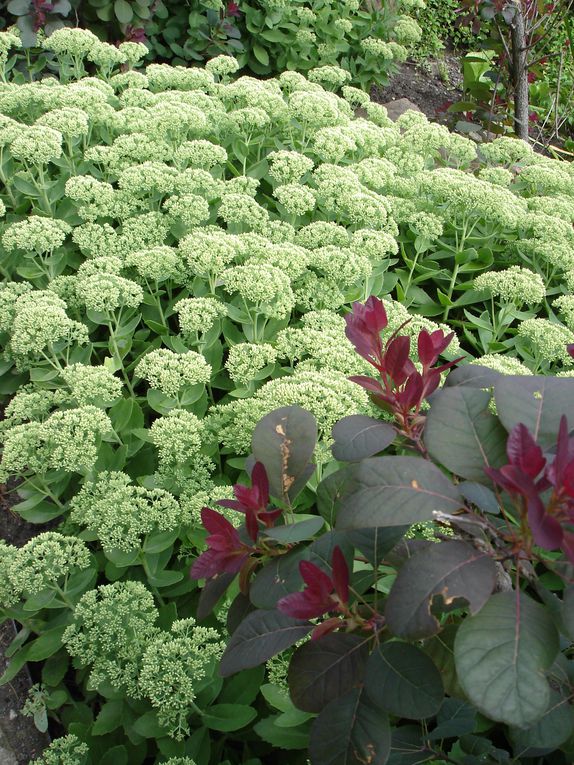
[
  {"x": 444, "y": 574},
  {"x": 463, "y": 435},
  {"x": 537, "y": 402},
  {"x": 358, "y": 436},
  {"x": 284, "y": 441},
  {"x": 393, "y": 491},
  {"x": 350, "y": 731},
  {"x": 403, "y": 680},
  {"x": 322, "y": 670},
  {"x": 501, "y": 655},
  {"x": 260, "y": 636}
]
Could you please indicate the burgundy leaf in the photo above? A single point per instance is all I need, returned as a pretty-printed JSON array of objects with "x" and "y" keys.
[
  {"x": 340, "y": 575},
  {"x": 524, "y": 452}
]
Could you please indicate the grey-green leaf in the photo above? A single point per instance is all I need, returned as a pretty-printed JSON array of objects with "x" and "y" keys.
[
  {"x": 463, "y": 435},
  {"x": 501, "y": 655}
]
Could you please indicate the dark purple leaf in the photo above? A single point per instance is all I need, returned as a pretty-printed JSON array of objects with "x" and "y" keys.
[
  {"x": 325, "y": 669},
  {"x": 358, "y": 436},
  {"x": 448, "y": 572}
]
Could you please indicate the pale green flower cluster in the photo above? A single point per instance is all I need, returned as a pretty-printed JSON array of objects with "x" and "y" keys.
[
  {"x": 207, "y": 253},
  {"x": 156, "y": 264},
  {"x": 406, "y": 31},
  {"x": 66, "y": 750},
  {"x": 105, "y": 292},
  {"x": 513, "y": 285},
  {"x": 266, "y": 288},
  {"x": 36, "y": 234},
  {"x": 173, "y": 665},
  {"x": 187, "y": 209},
  {"x": 506, "y": 365},
  {"x": 71, "y": 122},
  {"x": 547, "y": 339},
  {"x": 169, "y": 372},
  {"x": 37, "y": 145},
  {"x": 121, "y": 514},
  {"x": 68, "y": 440},
  {"x": 246, "y": 360},
  {"x": 565, "y": 306},
  {"x": 506, "y": 151},
  {"x": 179, "y": 438},
  {"x": 331, "y": 77},
  {"x": 41, "y": 564},
  {"x": 296, "y": 199},
  {"x": 287, "y": 167},
  {"x": 31, "y": 404},
  {"x": 112, "y": 628},
  {"x": 92, "y": 384},
  {"x": 40, "y": 322},
  {"x": 198, "y": 315}
]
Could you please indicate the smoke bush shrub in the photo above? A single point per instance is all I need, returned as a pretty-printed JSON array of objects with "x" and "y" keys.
[{"x": 179, "y": 248}]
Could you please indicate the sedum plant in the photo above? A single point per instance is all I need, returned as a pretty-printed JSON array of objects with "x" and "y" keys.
[{"x": 162, "y": 293}]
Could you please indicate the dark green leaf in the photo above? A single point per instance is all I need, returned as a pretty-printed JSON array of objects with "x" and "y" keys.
[
  {"x": 568, "y": 611},
  {"x": 441, "y": 650},
  {"x": 228, "y": 717},
  {"x": 501, "y": 654},
  {"x": 109, "y": 718},
  {"x": 357, "y": 437},
  {"x": 243, "y": 688},
  {"x": 408, "y": 747},
  {"x": 260, "y": 636},
  {"x": 123, "y": 11},
  {"x": 284, "y": 442},
  {"x": 322, "y": 670},
  {"x": 282, "y": 738},
  {"x": 403, "y": 680},
  {"x": 46, "y": 645},
  {"x": 455, "y": 719},
  {"x": 296, "y": 532},
  {"x": 461, "y": 434},
  {"x": 117, "y": 755},
  {"x": 449, "y": 572},
  {"x": 350, "y": 731},
  {"x": 393, "y": 491},
  {"x": 535, "y": 401}
]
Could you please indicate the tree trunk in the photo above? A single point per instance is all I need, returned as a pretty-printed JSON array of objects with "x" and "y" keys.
[{"x": 520, "y": 72}]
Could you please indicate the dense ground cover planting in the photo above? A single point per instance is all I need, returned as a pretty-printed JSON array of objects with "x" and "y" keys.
[{"x": 179, "y": 247}]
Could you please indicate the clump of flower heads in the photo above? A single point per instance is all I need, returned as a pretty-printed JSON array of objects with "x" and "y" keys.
[
  {"x": 66, "y": 750},
  {"x": 514, "y": 285},
  {"x": 120, "y": 513},
  {"x": 111, "y": 630},
  {"x": 169, "y": 372},
  {"x": 172, "y": 666}
]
